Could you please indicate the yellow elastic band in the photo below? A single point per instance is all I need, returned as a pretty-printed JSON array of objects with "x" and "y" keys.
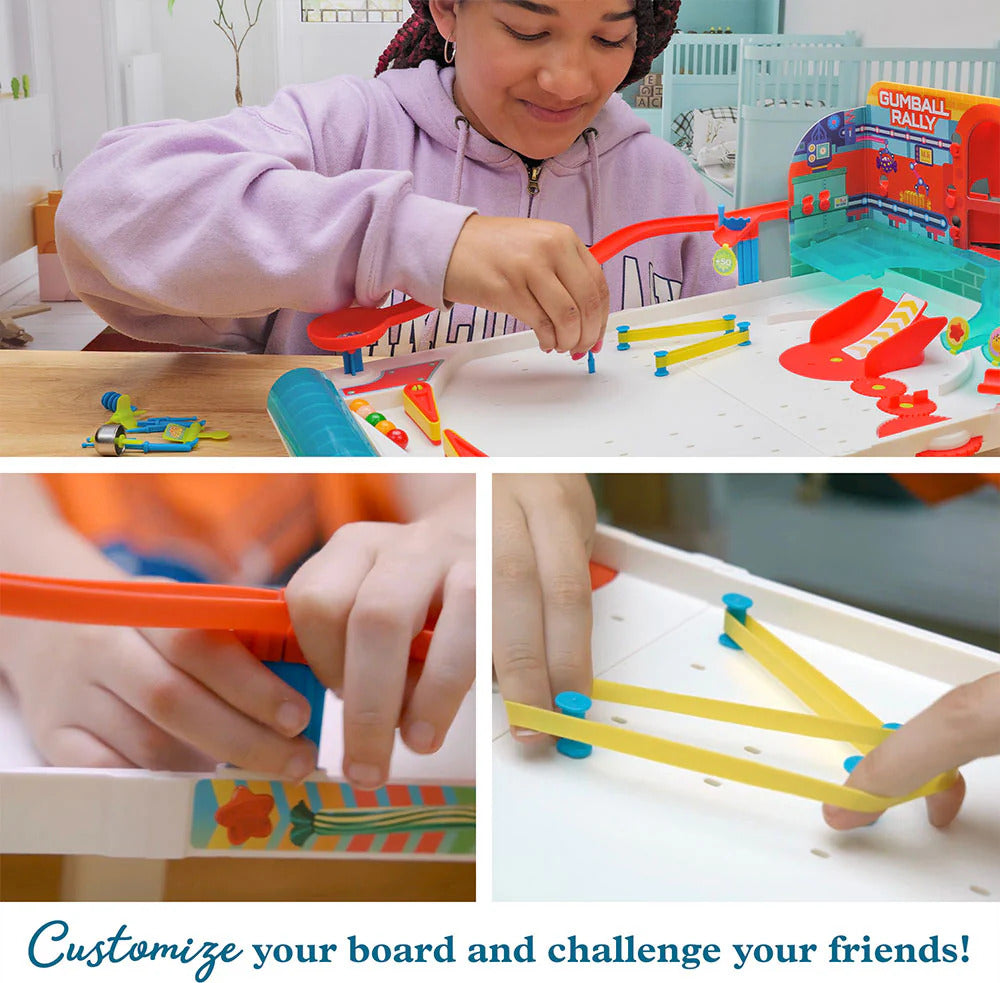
[
  {"x": 804, "y": 724},
  {"x": 701, "y": 348},
  {"x": 675, "y": 330},
  {"x": 818, "y": 692},
  {"x": 709, "y": 762}
]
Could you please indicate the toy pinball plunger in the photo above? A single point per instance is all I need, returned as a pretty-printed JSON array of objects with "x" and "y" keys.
[
  {"x": 836, "y": 716},
  {"x": 257, "y": 616}
]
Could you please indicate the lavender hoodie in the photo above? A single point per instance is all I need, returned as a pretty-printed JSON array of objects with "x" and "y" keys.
[{"x": 234, "y": 232}]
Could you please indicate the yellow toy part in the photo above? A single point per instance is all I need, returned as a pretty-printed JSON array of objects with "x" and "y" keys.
[{"x": 838, "y": 716}]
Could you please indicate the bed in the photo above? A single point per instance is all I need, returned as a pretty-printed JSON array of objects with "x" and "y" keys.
[
  {"x": 701, "y": 78},
  {"x": 781, "y": 85}
]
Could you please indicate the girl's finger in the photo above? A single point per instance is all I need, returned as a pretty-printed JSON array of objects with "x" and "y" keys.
[
  {"x": 964, "y": 724},
  {"x": 183, "y": 707},
  {"x": 323, "y": 591},
  {"x": 390, "y": 609},
  {"x": 518, "y": 636},
  {"x": 576, "y": 272},
  {"x": 112, "y": 721},
  {"x": 450, "y": 667},
  {"x": 560, "y": 307},
  {"x": 564, "y": 573},
  {"x": 76, "y": 747},
  {"x": 223, "y": 665}
]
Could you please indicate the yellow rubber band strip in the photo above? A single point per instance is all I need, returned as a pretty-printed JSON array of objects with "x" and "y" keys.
[
  {"x": 709, "y": 762},
  {"x": 818, "y": 692},
  {"x": 675, "y": 330},
  {"x": 701, "y": 348},
  {"x": 787, "y": 722}
]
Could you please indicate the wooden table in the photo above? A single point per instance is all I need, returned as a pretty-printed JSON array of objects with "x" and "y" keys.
[{"x": 51, "y": 401}]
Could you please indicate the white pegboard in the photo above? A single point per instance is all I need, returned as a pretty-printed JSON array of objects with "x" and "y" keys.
[
  {"x": 619, "y": 828},
  {"x": 510, "y": 399}
]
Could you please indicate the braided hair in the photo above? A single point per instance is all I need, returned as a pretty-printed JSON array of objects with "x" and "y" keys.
[{"x": 419, "y": 39}]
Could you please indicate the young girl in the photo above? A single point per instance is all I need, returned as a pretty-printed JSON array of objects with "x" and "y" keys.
[{"x": 468, "y": 177}]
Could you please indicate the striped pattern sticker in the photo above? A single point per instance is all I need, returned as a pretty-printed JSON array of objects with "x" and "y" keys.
[
  {"x": 332, "y": 817},
  {"x": 902, "y": 316}
]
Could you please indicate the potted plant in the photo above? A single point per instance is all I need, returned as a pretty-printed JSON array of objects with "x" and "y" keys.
[{"x": 227, "y": 25}]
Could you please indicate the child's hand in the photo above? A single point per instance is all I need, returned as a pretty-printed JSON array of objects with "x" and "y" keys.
[
  {"x": 358, "y": 604},
  {"x": 963, "y": 725},
  {"x": 540, "y": 272},
  {"x": 106, "y": 697},
  {"x": 94, "y": 696},
  {"x": 543, "y": 532}
]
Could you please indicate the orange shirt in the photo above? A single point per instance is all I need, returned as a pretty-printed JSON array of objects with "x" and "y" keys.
[
  {"x": 241, "y": 528},
  {"x": 934, "y": 488}
]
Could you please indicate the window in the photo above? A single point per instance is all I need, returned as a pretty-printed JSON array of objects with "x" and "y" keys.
[{"x": 353, "y": 11}]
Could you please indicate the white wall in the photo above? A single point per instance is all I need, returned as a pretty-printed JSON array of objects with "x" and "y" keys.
[
  {"x": 900, "y": 23},
  {"x": 15, "y": 51},
  {"x": 6, "y": 45},
  {"x": 198, "y": 63}
]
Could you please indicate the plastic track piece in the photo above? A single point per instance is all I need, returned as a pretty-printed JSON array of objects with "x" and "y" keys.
[
  {"x": 421, "y": 408},
  {"x": 258, "y": 615},
  {"x": 456, "y": 445}
]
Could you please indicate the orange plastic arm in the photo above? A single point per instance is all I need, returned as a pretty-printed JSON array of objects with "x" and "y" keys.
[
  {"x": 258, "y": 615},
  {"x": 353, "y": 328}
]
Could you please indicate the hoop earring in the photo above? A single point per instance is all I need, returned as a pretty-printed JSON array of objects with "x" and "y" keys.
[{"x": 449, "y": 54}]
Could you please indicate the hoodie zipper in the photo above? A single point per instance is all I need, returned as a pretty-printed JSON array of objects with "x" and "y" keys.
[{"x": 534, "y": 173}]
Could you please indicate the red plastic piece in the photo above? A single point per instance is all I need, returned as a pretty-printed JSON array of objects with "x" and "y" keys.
[
  {"x": 600, "y": 575},
  {"x": 396, "y": 378},
  {"x": 990, "y": 385},
  {"x": 972, "y": 446},
  {"x": 823, "y": 356},
  {"x": 808, "y": 204},
  {"x": 902, "y": 423},
  {"x": 460, "y": 446},
  {"x": 357, "y": 327},
  {"x": 258, "y": 616},
  {"x": 421, "y": 408}
]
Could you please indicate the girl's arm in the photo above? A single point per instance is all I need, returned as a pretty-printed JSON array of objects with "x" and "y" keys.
[{"x": 220, "y": 222}]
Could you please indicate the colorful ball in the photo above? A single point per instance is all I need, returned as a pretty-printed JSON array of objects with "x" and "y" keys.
[
  {"x": 993, "y": 344},
  {"x": 374, "y": 418},
  {"x": 399, "y": 437},
  {"x": 384, "y": 426}
]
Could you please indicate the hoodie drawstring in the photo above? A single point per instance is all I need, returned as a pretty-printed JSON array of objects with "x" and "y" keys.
[
  {"x": 462, "y": 125},
  {"x": 590, "y": 135}
]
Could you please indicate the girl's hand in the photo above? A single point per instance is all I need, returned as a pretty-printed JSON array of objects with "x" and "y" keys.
[
  {"x": 105, "y": 697},
  {"x": 543, "y": 532},
  {"x": 358, "y": 604},
  {"x": 963, "y": 725},
  {"x": 540, "y": 272}
]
